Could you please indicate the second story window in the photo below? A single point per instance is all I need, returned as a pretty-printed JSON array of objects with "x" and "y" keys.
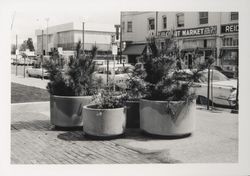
[
  {"x": 203, "y": 17},
  {"x": 129, "y": 26},
  {"x": 164, "y": 22},
  {"x": 151, "y": 24},
  {"x": 234, "y": 15},
  {"x": 180, "y": 20}
]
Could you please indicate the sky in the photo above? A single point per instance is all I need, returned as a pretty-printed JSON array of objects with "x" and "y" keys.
[{"x": 24, "y": 23}]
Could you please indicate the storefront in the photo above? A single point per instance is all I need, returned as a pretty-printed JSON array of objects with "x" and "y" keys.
[
  {"x": 229, "y": 52},
  {"x": 197, "y": 44},
  {"x": 134, "y": 52}
]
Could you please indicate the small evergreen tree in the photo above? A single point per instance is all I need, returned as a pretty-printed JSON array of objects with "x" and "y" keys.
[{"x": 76, "y": 79}]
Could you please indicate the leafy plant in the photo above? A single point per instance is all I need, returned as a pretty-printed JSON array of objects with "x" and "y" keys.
[
  {"x": 109, "y": 100},
  {"x": 76, "y": 79}
]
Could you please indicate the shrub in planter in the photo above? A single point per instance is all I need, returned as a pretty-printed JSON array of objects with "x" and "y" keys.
[
  {"x": 135, "y": 91},
  {"x": 168, "y": 108},
  {"x": 71, "y": 87},
  {"x": 106, "y": 117}
]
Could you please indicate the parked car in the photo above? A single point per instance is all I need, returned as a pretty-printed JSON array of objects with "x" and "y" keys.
[
  {"x": 223, "y": 89},
  {"x": 229, "y": 74},
  {"x": 37, "y": 72},
  {"x": 119, "y": 75}
]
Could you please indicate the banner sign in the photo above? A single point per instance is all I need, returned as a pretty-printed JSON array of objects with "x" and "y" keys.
[
  {"x": 229, "y": 28},
  {"x": 209, "y": 30}
]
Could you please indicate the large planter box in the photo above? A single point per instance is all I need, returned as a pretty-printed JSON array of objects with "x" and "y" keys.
[
  {"x": 167, "y": 118},
  {"x": 66, "y": 111},
  {"x": 104, "y": 122},
  {"x": 133, "y": 114}
]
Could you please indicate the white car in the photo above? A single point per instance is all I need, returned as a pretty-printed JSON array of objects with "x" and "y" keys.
[
  {"x": 221, "y": 91},
  {"x": 117, "y": 75},
  {"x": 37, "y": 72}
]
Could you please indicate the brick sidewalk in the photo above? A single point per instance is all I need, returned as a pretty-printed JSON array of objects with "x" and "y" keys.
[{"x": 34, "y": 141}]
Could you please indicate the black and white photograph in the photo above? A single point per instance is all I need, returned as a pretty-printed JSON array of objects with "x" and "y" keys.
[{"x": 116, "y": 84}]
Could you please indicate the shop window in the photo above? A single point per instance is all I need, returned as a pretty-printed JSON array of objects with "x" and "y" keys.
[
  {"x": 129, "y": 26},
  {"x": 203, "y": 17},
  {"x": 230, "y": 42},
  {"x": 151, "y": 24},
  {"x": 164, "y": 22},
  {"x": 180, "y": 20},
  {"x": 234, "y": 15}
]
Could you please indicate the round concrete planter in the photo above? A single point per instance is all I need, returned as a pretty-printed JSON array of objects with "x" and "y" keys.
[
  {"x": 66, "y": 111},
  {"x": 104, "y": 122},
  {"x": 167, "y": 118},
  {"x": 133, "y": 114}
]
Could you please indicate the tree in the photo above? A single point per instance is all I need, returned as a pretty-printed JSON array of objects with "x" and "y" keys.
[
  {"x": 30, "y": 45},
  {"x": 13, "y": 49},
  {"x": 27, "y": 44},
  {"x": 23, "y": 46}
]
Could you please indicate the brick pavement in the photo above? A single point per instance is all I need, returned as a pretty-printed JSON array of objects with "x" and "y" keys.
[{"x": 35, "y": 141}]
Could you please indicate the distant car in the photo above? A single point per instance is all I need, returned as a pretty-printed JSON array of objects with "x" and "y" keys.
[
  {"x": 229, "y": 74},
  {"x": 117, "y": 76},
  {"x": 37, "y": 72},
  {"x": 223, "y": 90}
]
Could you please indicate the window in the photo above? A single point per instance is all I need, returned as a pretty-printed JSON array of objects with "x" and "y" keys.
[
  {"x": 203, "y": 17},
  {"x": 230, "y": 42},
  {"x": 234, "y": 15},
  {"x": 151, "y": 24},
  {"x": 129, "y": 26},
  {"x": 164, "y": 22},
  {"x": 180, "y": 20}
]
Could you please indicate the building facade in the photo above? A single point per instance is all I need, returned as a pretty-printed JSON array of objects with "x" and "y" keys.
[
  {"x": 66, "y": 37},
  {"x": 209, "y": 33}
]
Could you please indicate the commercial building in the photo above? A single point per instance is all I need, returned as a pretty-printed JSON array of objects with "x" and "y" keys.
[
  {"x": 66, "y": 36},
  {"x": 209, "y": 33}
]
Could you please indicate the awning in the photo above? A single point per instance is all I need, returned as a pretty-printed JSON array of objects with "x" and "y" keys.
[
  {"x": 229, "y": 48},
  {"x": 136, "y": 49}
]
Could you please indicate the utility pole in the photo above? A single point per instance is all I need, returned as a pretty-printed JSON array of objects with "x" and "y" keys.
[
  {"x": 16, "y": 55},
  {"x": 83, "y": 37},
  {"x": 208, "y": 87},
  {"x": 47, "y": 48},
  {"x": 42, "y": 55},
  {"x": 121, "y": 26}
]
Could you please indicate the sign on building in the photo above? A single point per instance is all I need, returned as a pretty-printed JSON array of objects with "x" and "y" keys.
[
  {"x": 209, "y": 30},
  {"x": 229, "y": 28}
]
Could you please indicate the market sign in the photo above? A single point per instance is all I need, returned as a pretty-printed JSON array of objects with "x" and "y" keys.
[
  {"x": 209, "y": 30},
  {"x": 229, "y": 28}
]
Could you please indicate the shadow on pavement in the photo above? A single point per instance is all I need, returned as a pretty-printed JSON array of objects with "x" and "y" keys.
[{"x": 135, "y": 134}]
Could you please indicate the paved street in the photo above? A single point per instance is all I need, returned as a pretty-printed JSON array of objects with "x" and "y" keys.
[
  {"x": 29, "y": 81},
  {"x": 34, "y": 140}
]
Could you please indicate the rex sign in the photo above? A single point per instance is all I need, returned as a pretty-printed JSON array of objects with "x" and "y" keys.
[
  {"x": 229, "y": 28},
  {"x": 209, "y": 30}
]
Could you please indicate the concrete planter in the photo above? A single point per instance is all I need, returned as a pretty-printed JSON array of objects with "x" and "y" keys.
[
  {"x": 104, "y": 122},
  {"x": 167, "y": 118},
  {"x": 133, "y": 114},
  {"x": 66, "y": 111}
]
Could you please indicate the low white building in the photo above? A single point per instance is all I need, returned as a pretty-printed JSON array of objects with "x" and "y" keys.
[{"x": 66, "y": 36}]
